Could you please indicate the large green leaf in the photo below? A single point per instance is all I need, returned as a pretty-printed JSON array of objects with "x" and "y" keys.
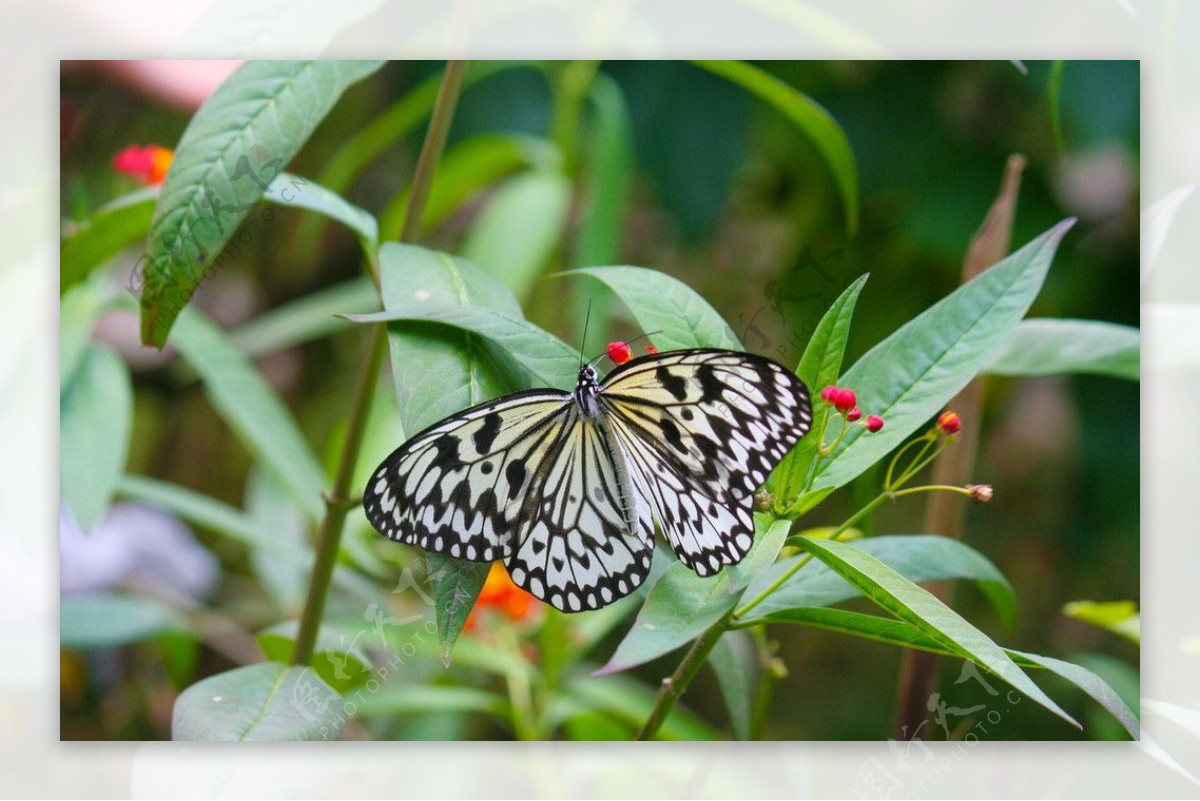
[
  {"x": 1052, "y": 347},
  {"x": 440, "y": 370},
  {"x": 265, "y": 111},
  {"x": 911, "y": 375},
  {"x": 96, "y": 419},
  {"x": 520, "y": 229},
  {"x": 897, "y": 632},
  {"x": 912, "y": 604},
  {"x": 78, "y": 312},
  {"x": 553, "y": 362},
  {"x": 681, "y": 605},
  {"x": 266, "y": 702},
  {"x": 401, "y": 698},
  {"x": 918, "y": 558},
  {"x": 665, "y": 307},
  {"x": 301, "y": 193},
  {"x": 108, "y": 619},
  {"x": 252, "y": 410},
  {"x": 806, "y": 114},
  {"x": 337, "y": 658},
  {"x": 734, "y": 662},
  {"x": 106, "y": 233},
  {"x": 819, "y": 367}
]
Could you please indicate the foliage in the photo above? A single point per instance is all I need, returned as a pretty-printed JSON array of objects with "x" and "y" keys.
[{"x": 522, "y": 226}]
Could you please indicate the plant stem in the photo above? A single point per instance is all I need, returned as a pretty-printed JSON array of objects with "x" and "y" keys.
[
  {"x": 338, "y": 502},
  {"x": 673, "y": 686}
]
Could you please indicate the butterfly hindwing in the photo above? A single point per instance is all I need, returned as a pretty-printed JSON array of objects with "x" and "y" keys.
[{"x": 581, "y": 548}]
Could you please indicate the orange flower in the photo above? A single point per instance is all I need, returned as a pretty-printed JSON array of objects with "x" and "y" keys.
[
  {"x": 499, "y": 593},
  {"x": 147, "y": 164}
]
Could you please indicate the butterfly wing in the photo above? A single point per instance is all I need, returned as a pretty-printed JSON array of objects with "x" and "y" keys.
[
  {"x": 459, "y": 487},
  {"x": 526, "y": 479},
  {"x": 582, "y": 547},
  {"x": 701, "y": 429}
]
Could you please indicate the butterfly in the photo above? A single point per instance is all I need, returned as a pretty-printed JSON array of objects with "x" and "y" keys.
[{"x": 568, "y": 488}]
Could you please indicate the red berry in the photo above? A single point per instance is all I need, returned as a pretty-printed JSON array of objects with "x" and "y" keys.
[
  {"x": 874, "y": 423},
  {"x": 844, "y": 400},
  {"x": 827, "y": 394},
  {"x": 854, "y": 414},
  {"x": 949, "y": 423},
  {"x": 619, "y": 352}
]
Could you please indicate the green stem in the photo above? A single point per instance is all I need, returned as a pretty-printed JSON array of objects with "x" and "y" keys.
[
  {"x": 337, "y": 502},
  {"x": 839, "y": 531},
  {"x": 673, "y": 686}
]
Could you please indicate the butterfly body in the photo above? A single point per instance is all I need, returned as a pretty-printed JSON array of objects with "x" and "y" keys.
[{"x": 569, "y": 488}]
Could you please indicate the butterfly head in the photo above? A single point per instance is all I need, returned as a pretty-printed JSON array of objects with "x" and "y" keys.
[{"x": 587, "y": 390}]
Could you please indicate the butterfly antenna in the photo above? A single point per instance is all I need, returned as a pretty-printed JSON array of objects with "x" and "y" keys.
[{"x": 586, "y": 319}]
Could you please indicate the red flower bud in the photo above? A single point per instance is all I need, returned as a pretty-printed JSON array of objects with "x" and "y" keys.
[
  {"x": 147, "y": 164},
  {"x": 949, "y": 423},
  {"x": 874, "y": 423},
  {"x": 854, "y": 414},
  {"x": 844, "y": 400},
  {"x": 619, "y": 352},
  {"x": 651, "y": 349},
  {"x": 827, "y": 394}
]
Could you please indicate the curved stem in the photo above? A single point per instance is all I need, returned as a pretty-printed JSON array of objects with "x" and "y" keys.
[{"x": 337, "y": 503}]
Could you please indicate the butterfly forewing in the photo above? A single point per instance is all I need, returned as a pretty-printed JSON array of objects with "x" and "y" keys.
[
  {"x": 724, "y": 419},
  {"x": 460, "y": 487}
]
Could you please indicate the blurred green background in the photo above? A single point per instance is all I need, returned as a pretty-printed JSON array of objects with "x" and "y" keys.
[{"x": 723, "y": 192}]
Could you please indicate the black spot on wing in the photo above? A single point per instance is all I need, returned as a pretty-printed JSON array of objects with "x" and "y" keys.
[
  {"x": 515, "y": 473},
  {"x": 486, "y": 435},
  {"x": 674, "y": 384}
]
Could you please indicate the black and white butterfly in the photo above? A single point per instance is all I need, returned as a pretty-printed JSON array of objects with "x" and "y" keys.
[{"x": 568, "y": 487}]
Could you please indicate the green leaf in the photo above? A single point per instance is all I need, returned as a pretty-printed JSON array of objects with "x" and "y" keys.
[
  {"x": 911, "y": 375},
  {"x": 106, "y": 233},
  {"x": 608, "y": 166},
  {"x": 305, "y": 319},
  {"x": 456, "y": 584},
  {"x": 679, "y": 317},
  {"x": 681, "y": 605},
  {"x": 1119, "y": 617},
  {"x": 269, "y": 508},
  {"x": 78, "y": 312},
  {"x": 252, "y": 410},
  {"x": 520, "y": 228},
  {"x": 735, "y": 664},
  {"x": 96, "y": 420},
  {"x": 914, "y": 605},
  {"x": 467, "y": 167},
  {"x": 806, "y": 114},
  {"x": 918, "y": 558},
  {"x": 263, "y": 703},
  {"x": 440, "y": 370},
  {"x": 897, "y": 632},
  {"x": 819, "y": 367},
  {"x": 301, "y": 193},
  {"x": 1053, "y": 347},
  {"x": 1090, "y": 683},
  {"x": 264, "y": 111},
  {"x": 337, "y": 659},
  {"x": 108, "y": 619},
  {"x": 553, "y": 362},
  {"x": 403, "y": 698}
]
